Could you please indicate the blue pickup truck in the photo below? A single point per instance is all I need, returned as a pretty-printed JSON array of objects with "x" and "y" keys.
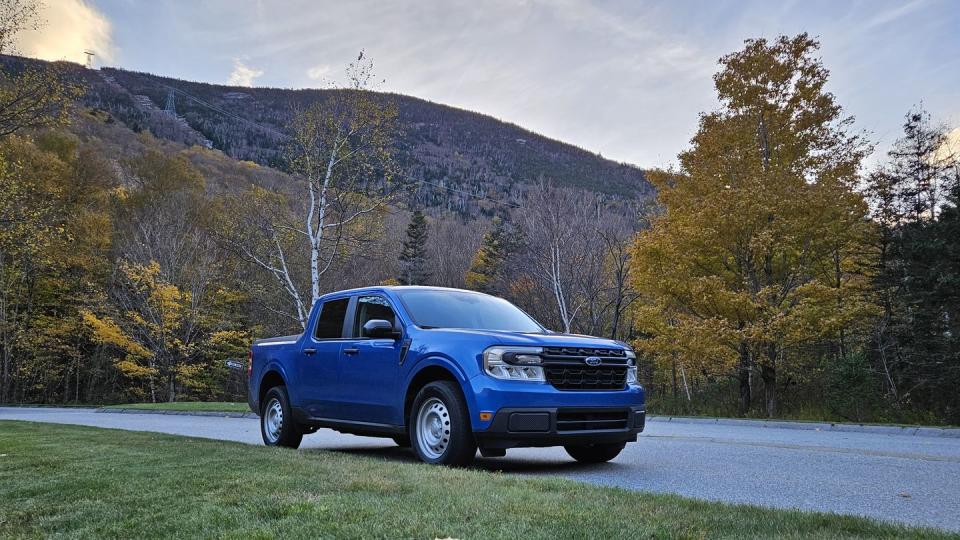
[{"x": 446, "y": 372}]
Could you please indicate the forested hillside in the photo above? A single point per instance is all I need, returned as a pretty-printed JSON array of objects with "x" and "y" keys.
[{"x": 442, "y": 146}]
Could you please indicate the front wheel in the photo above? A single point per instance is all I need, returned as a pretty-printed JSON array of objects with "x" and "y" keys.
[
  {"x": 594, "y": 453},
  {"x": 440, "y": 426},
  {"x": 277, "y": 426}
]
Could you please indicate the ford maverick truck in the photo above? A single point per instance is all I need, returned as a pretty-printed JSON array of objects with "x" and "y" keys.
[{"x": 446, "y": 372}]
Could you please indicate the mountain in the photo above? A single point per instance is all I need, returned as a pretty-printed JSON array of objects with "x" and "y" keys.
[{"x": 462, "y": 156}]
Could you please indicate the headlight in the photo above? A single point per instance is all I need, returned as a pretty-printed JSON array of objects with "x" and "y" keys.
[
  {"x": 631, "y": 367},
  {"x": 514, "y": 363}
]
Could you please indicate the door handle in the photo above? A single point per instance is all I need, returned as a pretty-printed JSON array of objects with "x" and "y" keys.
[
  {"x": 309, "y": 351},
  {"x": 351, "y": 351}
]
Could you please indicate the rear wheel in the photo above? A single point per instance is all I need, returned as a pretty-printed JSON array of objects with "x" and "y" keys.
[
  {"x": 594, "y": 453},
  {"x": 277, "y": 426},
  {"x": 440, "y": 426}
]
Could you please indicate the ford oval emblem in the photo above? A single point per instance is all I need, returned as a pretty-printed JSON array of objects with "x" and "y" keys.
[{"x": 592, "y": 361}]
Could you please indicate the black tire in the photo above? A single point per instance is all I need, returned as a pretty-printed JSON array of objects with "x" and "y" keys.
[
  {"x": 403, "y": 441},
  {"x": 594, "y": 453},
  {"x": 279, "y": 430},
  {"x": 442, "y": 405}
]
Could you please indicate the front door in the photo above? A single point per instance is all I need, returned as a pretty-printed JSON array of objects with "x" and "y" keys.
[
  {"x": 319, "y": 354},
  {"x": 368, "y": 367}
]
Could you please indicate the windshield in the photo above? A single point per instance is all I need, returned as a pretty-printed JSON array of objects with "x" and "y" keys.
[{"x": 455, "y": 309}]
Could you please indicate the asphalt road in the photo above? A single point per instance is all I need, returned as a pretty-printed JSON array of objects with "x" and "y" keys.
[{"x": 909, "y": 479}]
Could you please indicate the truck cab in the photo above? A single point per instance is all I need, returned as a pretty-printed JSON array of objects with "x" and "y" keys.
[{"x": 446, "y": 372}]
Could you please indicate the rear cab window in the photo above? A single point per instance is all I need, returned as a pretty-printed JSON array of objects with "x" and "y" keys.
[{"x": 330, "y": 320}]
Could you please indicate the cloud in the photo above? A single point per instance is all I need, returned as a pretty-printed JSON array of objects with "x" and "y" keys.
[
  {"x": 902, "y": 10},
  {"x": 69, "y": 27},
  {"x": 318, "y": 72},
  {"x": 243, "y": 75}
]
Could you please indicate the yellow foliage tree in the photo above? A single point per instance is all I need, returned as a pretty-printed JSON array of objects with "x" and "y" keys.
[
  {"x": 155, "y": 329},
  {"x": 757, "y": 248}
]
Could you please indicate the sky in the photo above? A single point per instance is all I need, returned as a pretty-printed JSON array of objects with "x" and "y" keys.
[{"x": 625, "y": 78}]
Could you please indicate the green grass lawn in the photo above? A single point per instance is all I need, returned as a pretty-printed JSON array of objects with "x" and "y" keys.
[
  {"x": 203, "y": 406},
  {"x": 87, "y": 482}
]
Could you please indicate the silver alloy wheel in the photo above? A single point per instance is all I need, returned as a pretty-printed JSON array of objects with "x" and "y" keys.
[
  {"x": 273, "y": 420},
  {"x": 433, "y": 428}
]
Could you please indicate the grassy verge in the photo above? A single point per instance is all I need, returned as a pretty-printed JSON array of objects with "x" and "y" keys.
[
  {"x": 87, "y": 482},
  {"x": 201, "y": 406}
]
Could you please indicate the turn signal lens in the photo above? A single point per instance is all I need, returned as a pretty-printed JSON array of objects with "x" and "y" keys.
[
  {"x": 631, "y": 367},
  {"x": 485, "y": 416}
]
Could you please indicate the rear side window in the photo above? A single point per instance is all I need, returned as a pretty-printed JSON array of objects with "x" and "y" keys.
[{"x": 330, "y": 321}]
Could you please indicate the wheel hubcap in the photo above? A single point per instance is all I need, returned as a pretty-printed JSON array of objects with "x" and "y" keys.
[
  {"x": 273, "y": 420},
  {"x": 433, "y": 428}
]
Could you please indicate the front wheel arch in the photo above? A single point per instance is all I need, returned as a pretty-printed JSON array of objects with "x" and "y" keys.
[{"x": 424, "y": 377}]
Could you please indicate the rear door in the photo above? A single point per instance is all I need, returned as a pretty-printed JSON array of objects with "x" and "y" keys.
[
  {"x": 368, "y": 367},
  {"x": 317, "y": 364}
]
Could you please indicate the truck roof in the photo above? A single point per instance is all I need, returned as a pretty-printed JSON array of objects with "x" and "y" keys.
[{"x": 397, "y": 288}]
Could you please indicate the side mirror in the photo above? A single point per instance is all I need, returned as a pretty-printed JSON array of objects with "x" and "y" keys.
[{"x": 379, "y": 328}]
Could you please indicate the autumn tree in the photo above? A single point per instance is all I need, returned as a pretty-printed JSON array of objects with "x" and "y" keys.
[
  {"x": 413, "y": 256},
  {"x": 755, "y": 252},
  {"x": 54, "y": 243},
  {"x": 171, "y": 308},
  {"x": 340, "y": 150}
]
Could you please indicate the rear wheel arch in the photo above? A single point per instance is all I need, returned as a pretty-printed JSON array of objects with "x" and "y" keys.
[{"x": 270, "y": 379}]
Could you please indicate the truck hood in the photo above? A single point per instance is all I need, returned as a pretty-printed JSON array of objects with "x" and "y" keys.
[{"x": 496, "y": 337}]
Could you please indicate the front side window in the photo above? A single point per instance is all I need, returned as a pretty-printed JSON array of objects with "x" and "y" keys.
[
  {"x": 330, "y": 321},
  {"x": 461, "y": 309},
  {"x": 369, "y": 308}
]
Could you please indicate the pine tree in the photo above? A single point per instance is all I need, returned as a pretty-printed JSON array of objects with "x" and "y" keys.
[
  {"x": 488, "y": 262},
  {"x": 921, "y": 167},
  {"x": 915, "y": 344},
  {"x": 413, "y": 257}
]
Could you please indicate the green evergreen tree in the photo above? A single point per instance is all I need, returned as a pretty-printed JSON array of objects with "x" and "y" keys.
[
  {"x": 488, "y": 262},
  {"x": 915, "y": 345},
  {"x": 413, "y": 256}
]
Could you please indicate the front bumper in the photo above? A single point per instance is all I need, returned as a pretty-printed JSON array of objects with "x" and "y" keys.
[{"x": 559, "y": 426}]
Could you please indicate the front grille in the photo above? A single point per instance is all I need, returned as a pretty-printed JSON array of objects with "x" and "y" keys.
[
  {"x": 583, "y": 352},
  {"x": 590, "y": 420},
  {"x": 586, "y": 378},
  {"x": 565, "y": 368}
]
